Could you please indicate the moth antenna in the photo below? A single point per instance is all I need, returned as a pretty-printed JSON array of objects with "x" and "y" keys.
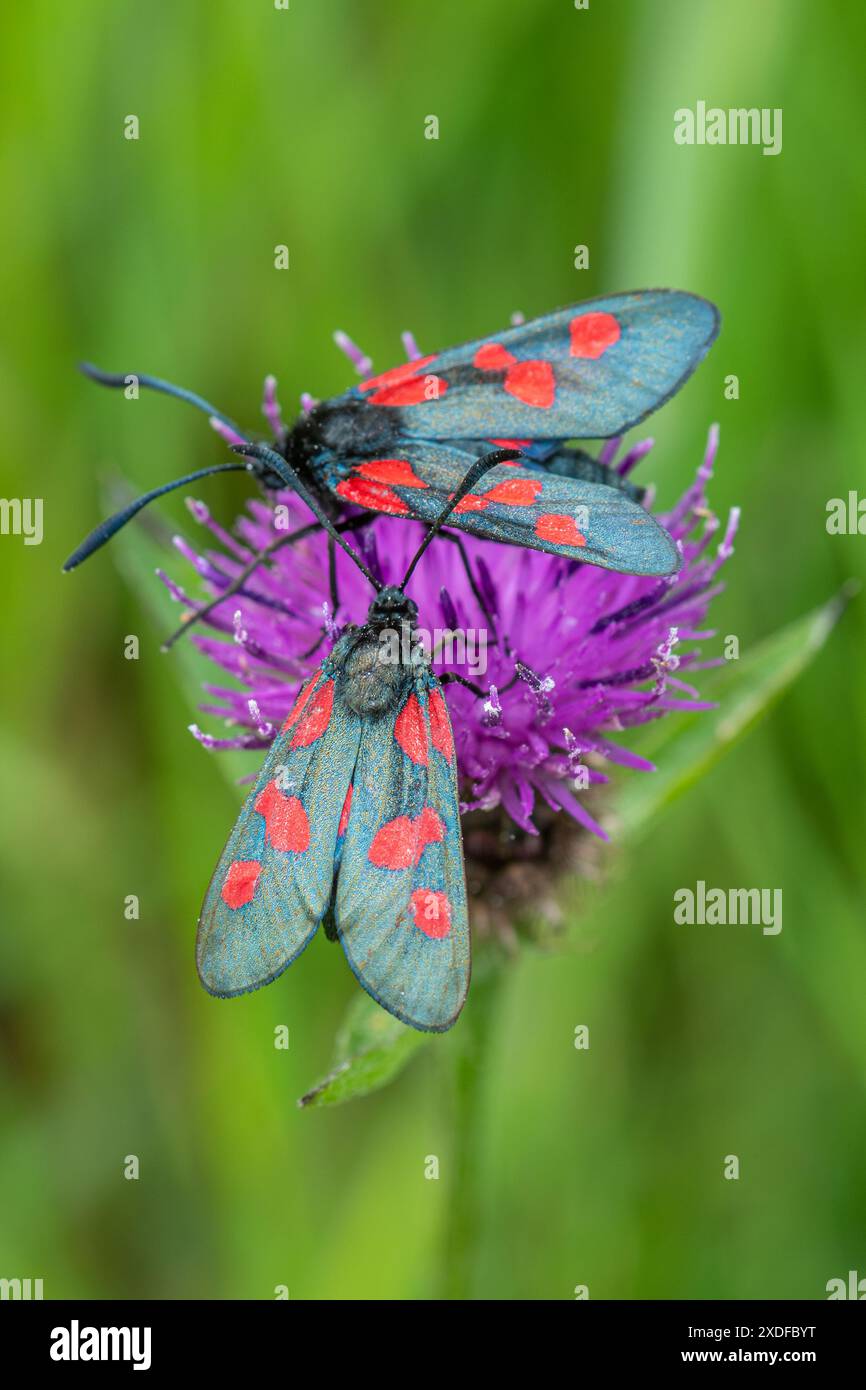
[
  {"x": 106, "y": 529},
  {"x": 292, "y": 480},
  {"x": 155, "y": 383},
  {"x": 478, "y": 469}
]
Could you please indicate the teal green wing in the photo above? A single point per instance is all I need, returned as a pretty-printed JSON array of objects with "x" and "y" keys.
[
  {"x": 273, "y": 883},
  {"x": 400, "y": 908}
]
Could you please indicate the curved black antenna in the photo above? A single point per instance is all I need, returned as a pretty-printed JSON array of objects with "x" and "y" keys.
[
  {"x": 479, "y": 467},
  {"x": 106, "y": 529},
  {"x": 292, "y": 480},
  {"x": 155, "y": 383}
]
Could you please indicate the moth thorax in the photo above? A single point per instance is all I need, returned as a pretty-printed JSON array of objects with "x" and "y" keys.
[
  {"x": 355, "y": 427},
  {"x": 372, "y": 679}
]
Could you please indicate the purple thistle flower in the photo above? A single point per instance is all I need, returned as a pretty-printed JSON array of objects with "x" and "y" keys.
[{"x": 575, "y": 655}]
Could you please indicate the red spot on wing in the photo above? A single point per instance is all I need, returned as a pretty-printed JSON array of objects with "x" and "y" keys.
[
  {"x": 239, "y": 885},
  {"x": 397, "y": 375},
  {"x": 493, "y": 357},
  {"x": 410, "y": 731},
  {"x": 516, "y": 492},
  {"x": 315, "y": 718},
  {"x": 440, "y": 725},
  {"x": 389, "y": 471},
  {"x": 592, "y": 334},
  {"x": 303, "y": 696},
  {"x": 431, "y": 912},
  {"x": 472, "y": 502},
  {"x": 511, "y": 444},
  {"x": 404, "y": 385},
  {"x": 376, "y": 497},
  {"x": 400, "y": 843},
  {"x": 414, "y": 392},
  {"x": 344, "y": 814},
  {"x": 430, "y": 827},
  {"x": 393, "y": 846},
  {"x": 532, "y": 382},
  {"x": 561, "y": 530},
  {"x": 288, "y": 828}
]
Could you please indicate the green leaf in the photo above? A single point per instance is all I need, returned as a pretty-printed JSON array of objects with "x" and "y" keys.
[
  {"x": 687, "y": 746},
  {"x": 372, "y": 1048}
]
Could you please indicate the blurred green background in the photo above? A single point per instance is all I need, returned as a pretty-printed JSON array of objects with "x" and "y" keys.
[{"x": 306, "y": 127}]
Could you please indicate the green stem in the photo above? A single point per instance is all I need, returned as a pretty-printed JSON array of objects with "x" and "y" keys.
[{"x": 462, "y": 1219}]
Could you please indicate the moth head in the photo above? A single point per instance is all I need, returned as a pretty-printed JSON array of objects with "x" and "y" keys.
[{"x": 391, "y": 606}]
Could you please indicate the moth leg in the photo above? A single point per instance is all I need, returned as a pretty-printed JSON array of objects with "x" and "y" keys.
[
  {"x": 332, "y": 578},
  {"x": 311, "y": 651},
  {"x": 335, "y": 597},
  {"x": 235, "y": 585},
  {"x": 452, "y": 678},
  {"x": 457, "y": 540}
]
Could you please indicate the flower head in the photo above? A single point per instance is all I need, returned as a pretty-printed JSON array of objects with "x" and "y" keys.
[{"x": 569, "y": 656}]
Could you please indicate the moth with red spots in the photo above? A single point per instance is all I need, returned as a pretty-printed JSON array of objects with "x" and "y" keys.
[
  {"x": 354, "y": 822},
  {"x": 400, "y": 442},
  {"x": 586, "y": 372}
]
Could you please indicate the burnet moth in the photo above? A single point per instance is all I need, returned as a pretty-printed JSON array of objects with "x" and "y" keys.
[
  {"x": 399, "y": 442},
  {"x": 354, "y": 819}
]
